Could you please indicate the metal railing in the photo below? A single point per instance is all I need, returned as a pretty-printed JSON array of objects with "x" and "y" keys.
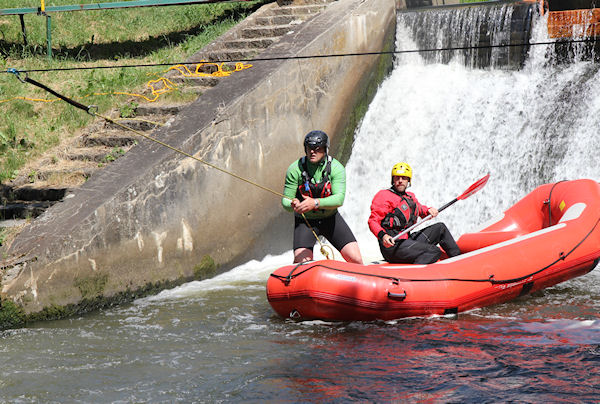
[{"x": 45, "y": 11}]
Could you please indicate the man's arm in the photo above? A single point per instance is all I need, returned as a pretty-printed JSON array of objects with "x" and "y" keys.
[
  {"x": 379, "y": 208},
  {"x": 291, "y": 185},
  {"x": 424, "y": 210}
]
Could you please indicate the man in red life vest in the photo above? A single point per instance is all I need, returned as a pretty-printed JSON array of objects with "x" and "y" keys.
[
  {"x": 394, "y": 210},
  {"x": 315, "y": 185}
]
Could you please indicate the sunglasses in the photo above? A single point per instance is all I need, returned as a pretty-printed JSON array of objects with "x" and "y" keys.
[{"x": 316, "y": 149}]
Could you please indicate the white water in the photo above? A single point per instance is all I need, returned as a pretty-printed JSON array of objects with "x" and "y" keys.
[
  {"x": 451, "y": 28},
  {"x": 453, "y": 124}
]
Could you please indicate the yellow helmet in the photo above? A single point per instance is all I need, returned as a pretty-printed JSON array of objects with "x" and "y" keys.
[{"x": 402, "y": 170}]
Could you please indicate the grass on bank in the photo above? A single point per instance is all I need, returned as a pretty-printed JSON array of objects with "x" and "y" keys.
[{"x": 33, "y": 121}]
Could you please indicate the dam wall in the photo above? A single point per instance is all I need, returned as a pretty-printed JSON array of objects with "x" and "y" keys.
[
  {"x": 498, "y": 34},
  {"x": 491, "y": 34},
  {"x": 156, "y": 218}
]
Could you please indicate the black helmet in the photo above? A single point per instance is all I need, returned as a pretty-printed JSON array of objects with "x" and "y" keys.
[{"x": 316, "y": 138}]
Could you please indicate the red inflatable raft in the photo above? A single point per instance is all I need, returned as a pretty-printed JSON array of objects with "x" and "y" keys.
[{"x": 550, "y": 236}]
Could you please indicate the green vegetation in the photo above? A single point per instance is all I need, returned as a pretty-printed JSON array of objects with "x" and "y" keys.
[
  {"x": 11, "y": 315},
  {"x": 128, "y": 110},
  {"x": 3, "y": 235},
  {"x": 91, "y": 286},
  {"x": 114, "y": 154},
  {"x": 33, "y": 121},
  {"x": 205, "y": 269},
  {"x": 475, "y": 1},
  {"x": 384, "y": 66}
]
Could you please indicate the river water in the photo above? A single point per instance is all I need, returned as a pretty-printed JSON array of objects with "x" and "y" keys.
[{"x": 219, "y": 341}]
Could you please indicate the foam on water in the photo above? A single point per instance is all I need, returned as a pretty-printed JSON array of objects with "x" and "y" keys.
[{"x": 250, "y": 274}]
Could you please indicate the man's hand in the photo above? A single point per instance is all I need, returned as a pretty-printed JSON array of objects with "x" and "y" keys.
[
  {"x": 433, "y": 212},
  {"x": 387, "y": 241},
  {"x": 306, "y": 205}
]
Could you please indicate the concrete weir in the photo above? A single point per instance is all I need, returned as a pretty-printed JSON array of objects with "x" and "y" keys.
[{"x": 155, "y": 218}]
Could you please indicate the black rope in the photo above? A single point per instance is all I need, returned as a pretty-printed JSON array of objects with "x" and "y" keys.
[
  {"x": 68, "y": 100},
  {"x": 299, "y": 57},
  {"x": 562, "y": 257},
  {"x": 62, "y": 97},
  {"x": 287, "y": 279},
  {"x": 549, "y": 202}
]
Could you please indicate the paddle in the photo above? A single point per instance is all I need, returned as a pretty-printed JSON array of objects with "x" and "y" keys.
[{"x": 477, "y": 185}]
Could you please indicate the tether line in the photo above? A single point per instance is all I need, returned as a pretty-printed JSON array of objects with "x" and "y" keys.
[
  {"x": 92, "y": 110},
  {"x": 330, "y": 55}
]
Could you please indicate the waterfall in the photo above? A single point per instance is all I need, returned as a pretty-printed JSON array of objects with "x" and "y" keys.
[
  {"x": 451, "y": 29},
  {"x": 454, "y": 122},
  {"x": 471, "y": 29}
]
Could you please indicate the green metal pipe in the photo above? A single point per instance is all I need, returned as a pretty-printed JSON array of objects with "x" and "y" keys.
[{"x": 49, "y": 35}]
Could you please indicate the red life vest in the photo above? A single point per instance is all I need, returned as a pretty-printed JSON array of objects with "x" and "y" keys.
[
  {"x": 392, "y": 212},
  {"x": 403, "y": 216},
  {"x": 308, "y": 188}
]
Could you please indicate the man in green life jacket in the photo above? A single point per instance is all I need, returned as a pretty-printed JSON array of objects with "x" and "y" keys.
[{"x": 316, "y": 186}]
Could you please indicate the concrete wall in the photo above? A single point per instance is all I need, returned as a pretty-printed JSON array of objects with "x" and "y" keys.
[{"x": 157, "y": 218}]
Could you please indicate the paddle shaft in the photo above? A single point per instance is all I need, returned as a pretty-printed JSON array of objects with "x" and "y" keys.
[
  {"x": 426, "y": 218},
  {"x": 476, "y": 186}
]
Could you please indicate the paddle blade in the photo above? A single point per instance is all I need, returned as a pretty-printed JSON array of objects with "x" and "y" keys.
[{"x": 480, "y": 183}]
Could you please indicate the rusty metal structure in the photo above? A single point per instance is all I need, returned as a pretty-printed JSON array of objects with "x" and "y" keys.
[{"x": 572, "y": 18}]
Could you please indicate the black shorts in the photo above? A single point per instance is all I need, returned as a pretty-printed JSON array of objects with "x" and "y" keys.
[{"x": 333, "y": 228}]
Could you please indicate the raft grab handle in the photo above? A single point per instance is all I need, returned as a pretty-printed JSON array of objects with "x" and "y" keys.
[{"x": 400, "y": 296}]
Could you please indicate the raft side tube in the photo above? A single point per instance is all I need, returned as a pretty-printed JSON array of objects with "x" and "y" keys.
[{"x": 532, "y": 213}]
